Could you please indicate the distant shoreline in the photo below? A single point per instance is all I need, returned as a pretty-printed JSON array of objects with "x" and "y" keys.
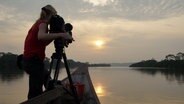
[
  {"x": 99, "y": 65},
  {"x": 170, "y": 64}
]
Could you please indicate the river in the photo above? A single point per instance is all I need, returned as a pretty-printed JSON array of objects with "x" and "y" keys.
[{"x": 114, "y": 85}]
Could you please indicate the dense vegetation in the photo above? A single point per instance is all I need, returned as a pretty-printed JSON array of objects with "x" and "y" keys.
[
  {"x": 99, "y": 65},
  {"x": 8, "y": 61},
  {"x": 9, "y": 69},
  {"x": 170, "y": 61},
  {"x": 172, "y": 67}
]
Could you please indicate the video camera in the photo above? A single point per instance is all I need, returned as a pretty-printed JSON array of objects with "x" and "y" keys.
[
  {"x": 57, "y": 25},
  {"x": 68, "y": 28}
]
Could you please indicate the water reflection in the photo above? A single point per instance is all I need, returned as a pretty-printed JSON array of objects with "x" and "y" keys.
[
  {"x": 100, "y": 90},
  {"x": 170, "y": 74},
  {"x": 10, "y": 74}
]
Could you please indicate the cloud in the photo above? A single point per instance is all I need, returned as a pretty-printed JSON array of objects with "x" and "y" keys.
[
  {"x": 115, "y": 28},
  {"x": 138, "y": 10},
  {"x": 13, "y": 29},
  {"x": 127, "y": 39},
  {"x": 6, "y": 13},
  {"x": 132, "y": 29},
  {"x": 133, "y": 9},
  {"x": 99, "y": 2},
  {"x": 10, "y": 19}
]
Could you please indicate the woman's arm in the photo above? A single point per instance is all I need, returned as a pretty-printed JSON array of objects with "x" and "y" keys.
[{"x": 43, "y": 35}]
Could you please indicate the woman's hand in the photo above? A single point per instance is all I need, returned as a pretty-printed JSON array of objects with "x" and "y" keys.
[{"x": 67, "y": 36}]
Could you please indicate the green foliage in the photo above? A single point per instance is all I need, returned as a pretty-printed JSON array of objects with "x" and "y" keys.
[
  {"x": 148, "y": 63},
  {"x": 99, "y": 65},
  {"x": 8, "y": 67},
  {"x": 170, "y": 61},
  {"x": 8, "y": 61},
  {"x": 10, "y": 71}
]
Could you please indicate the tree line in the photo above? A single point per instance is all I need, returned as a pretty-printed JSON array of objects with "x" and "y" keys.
[
  {"x": 170, "y": 61},
  {"x": 9, "y": 70},
  {"x": 8, "y": 61},
  {"x": 8, "y": 67}
]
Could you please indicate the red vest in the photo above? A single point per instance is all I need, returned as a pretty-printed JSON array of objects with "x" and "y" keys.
[{"x": 33, "y": 46}]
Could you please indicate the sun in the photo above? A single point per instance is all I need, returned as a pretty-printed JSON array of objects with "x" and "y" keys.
[{"x": 99, "y": 43}]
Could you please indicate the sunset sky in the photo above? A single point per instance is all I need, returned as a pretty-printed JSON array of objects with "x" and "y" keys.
[{"x": 104, "y": 30}]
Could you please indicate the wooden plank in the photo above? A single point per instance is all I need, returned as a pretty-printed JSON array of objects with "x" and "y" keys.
[{"x": 46, "y": 97}]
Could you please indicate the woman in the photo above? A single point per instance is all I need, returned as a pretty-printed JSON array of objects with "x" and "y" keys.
[{"x": 34, "y": 50}]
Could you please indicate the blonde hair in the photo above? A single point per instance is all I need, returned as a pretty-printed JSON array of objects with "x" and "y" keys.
[{"x": 47, "y": 12}]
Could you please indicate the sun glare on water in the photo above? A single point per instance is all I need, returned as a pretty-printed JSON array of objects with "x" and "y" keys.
[{"x": 100, "y": 90}]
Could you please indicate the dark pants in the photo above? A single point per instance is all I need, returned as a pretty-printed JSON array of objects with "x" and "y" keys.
[{"x": 38, "y": 75}]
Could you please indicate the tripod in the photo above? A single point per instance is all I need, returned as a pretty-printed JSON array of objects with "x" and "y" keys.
[{"x": 58, "y": 55}]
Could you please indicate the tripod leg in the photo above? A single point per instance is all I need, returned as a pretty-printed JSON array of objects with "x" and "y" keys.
[
  {"x": 49, "y": 74},
  {"x": 70, "y": 79},
  {"x": 51, "y": 64},
  {"x": 57, "y": 70}
]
